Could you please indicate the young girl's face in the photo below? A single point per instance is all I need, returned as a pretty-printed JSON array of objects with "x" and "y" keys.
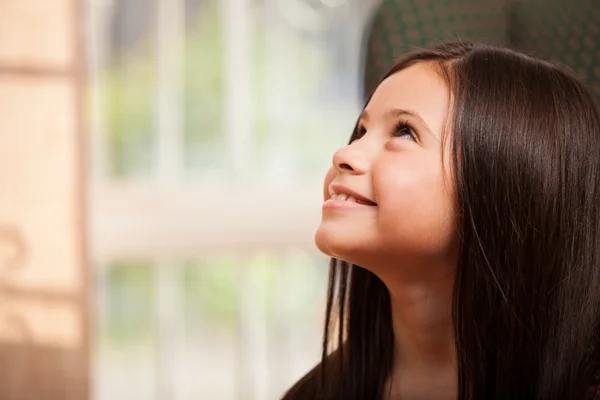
[{"x": 404, "y": 212}]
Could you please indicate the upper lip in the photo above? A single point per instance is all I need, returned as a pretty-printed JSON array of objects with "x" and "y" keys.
[{"x": 340, "y": 189}]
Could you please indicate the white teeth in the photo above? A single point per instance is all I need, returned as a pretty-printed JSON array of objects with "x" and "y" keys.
[{"x": 343, "y": 197}]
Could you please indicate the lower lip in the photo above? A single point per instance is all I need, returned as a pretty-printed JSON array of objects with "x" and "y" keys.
[{"x": 342, "y": 204}]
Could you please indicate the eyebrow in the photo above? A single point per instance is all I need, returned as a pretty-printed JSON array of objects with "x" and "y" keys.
[{"x": 398, "y": 112}]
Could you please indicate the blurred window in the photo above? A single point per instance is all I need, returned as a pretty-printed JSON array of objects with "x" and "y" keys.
[{"x": 213, "y": 123}]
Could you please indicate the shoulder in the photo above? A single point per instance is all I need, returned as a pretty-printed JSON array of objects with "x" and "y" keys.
[
  {"x": 311, "y": 386},
  {"x": 306, "y": 388}
]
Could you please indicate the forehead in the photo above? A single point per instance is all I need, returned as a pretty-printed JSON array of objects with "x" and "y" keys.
[{"x": 418, "y": 88}]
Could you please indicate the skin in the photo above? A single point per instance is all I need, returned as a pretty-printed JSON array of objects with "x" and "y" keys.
[{"x": 408, "y": 238}]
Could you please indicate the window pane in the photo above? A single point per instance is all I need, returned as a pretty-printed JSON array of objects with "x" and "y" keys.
[
  {"x": 256, "y": 320},
  {"x": 125, "y": 45},
  {"x": 241, "y": 324},
  {"x": 205, "y": 140},
  {"x": 125, "y": 318},
  {"x": 295, "y": 313},
  {"x": 303, "y": 90},
  {"x": 307, "y": 85},
  {"x": 210, "y": 307}
]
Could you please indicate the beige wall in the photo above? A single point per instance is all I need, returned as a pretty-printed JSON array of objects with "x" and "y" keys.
[{"x": 43, "y": 312}]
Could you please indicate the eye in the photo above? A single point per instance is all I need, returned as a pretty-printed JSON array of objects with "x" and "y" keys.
[
  {"x": 359, "y": 132},
  {"x": 403, "y": 130}
]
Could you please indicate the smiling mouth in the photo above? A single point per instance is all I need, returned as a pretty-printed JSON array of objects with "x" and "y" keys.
[{"x": 348, "y": 198}]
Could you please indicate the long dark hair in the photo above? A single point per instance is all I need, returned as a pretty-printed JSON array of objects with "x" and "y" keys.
[{"x": 526, "y": 304}]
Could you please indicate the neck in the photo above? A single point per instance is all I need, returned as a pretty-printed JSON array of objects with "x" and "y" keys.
[
  {"x": 425, "y": 356},
  {"x": 422, "y": 321}
]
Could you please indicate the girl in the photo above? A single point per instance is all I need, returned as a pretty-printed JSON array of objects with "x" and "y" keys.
[{"x": 463, "y": 222}]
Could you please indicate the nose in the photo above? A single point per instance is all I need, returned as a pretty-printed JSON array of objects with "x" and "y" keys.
[{"x": 350, "y": 160}]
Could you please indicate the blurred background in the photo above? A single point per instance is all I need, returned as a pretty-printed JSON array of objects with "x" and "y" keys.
[
  {"x": 212, "y": 124},
  {"x": 161, "y": 166}
]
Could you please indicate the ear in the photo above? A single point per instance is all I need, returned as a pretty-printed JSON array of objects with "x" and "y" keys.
[{"x": 331, "y": 174}]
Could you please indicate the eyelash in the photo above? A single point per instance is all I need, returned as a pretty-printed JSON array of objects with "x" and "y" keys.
[{"x": 400, "y": 129}]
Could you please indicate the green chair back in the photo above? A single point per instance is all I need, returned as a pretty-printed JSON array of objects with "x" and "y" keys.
[{"x": 563, "y": 31}]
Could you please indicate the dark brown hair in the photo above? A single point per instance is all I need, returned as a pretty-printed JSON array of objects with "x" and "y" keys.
[{"x": 525, "y": 143}]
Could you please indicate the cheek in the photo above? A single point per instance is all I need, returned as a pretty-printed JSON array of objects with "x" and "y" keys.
[{"x": 415, "y": 209}]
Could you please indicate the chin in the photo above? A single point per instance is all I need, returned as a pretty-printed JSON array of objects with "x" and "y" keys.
[
  {"x": 336, "y": 245},
  {"x": 332, "y": 244},
  {"x": 323, "y": 242}
]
